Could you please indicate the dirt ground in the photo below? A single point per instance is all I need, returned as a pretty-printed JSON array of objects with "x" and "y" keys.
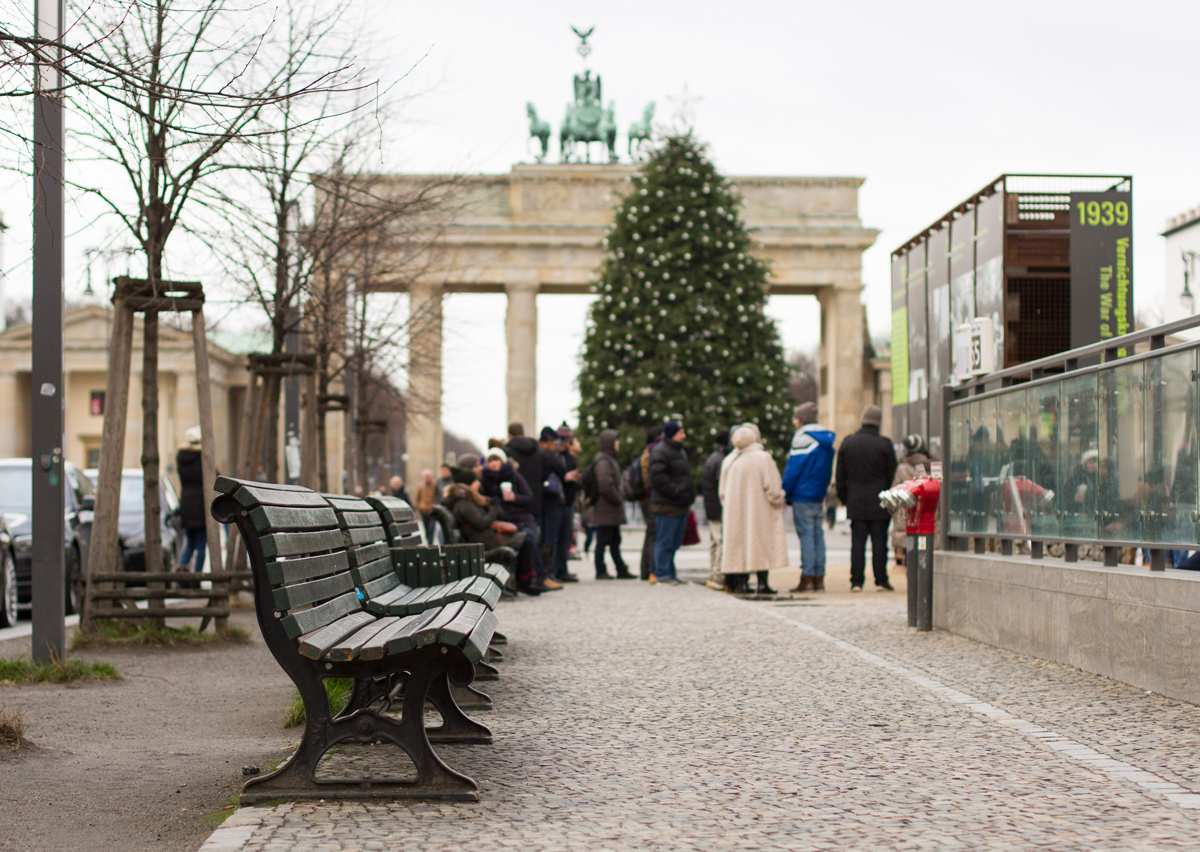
[{"x": 145, "y": 762}]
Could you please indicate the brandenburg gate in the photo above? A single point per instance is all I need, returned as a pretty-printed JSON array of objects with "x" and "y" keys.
[{"x": 538, "y": 229}]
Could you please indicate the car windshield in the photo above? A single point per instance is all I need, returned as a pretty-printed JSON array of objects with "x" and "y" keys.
[
  {"x": 132, "y": 495},
  {"x": 16, "y": 489}
]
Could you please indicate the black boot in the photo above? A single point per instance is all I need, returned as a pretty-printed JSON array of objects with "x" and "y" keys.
[{"x": 763, "y": 587}]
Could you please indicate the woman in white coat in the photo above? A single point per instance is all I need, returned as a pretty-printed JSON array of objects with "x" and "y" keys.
[{"x": 752, "y": 512}]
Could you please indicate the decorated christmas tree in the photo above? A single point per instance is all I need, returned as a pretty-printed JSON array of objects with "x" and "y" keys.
[{"x": 678, "y": 328}]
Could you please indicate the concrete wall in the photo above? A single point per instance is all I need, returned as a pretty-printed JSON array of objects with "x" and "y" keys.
[{"x": 1126, "y": 623}]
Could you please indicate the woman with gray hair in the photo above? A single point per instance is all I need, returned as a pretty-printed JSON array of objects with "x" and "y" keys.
[{"x": 752, "y": 500}]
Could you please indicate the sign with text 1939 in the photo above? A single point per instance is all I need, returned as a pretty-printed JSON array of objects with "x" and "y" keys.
[{"x": 1101, "y": 266}]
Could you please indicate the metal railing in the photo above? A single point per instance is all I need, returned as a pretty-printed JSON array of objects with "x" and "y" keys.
[{"x": 1097, "y": 446}]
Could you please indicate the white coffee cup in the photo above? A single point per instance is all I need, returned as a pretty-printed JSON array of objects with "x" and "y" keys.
[{"x": 506, "y": 487}]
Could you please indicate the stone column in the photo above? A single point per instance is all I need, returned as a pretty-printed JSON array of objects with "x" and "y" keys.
[
  {"x": 423, "y": 418},
  {"x": 841, "y": 359},
  {"x": 521, "y": 329}
]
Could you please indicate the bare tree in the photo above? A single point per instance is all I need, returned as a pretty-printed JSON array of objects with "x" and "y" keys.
[
  {"x": 163, "y": 89},
  {"x": 803, "y": 376}
]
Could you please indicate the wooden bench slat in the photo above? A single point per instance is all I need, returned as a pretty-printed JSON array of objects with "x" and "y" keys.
[
  {"x": 455, "y": 631},
  {"x": 365, "y": 535},
  {"x": 251, "y": 494},
  {"x": 386, "y": 584},
  {"x": 476, "y": 644},
  {"x": 313, "y": 644},
  {"x": 374, "y": 570},
  {"x": 349, "y": 648},
  {"x": 301, "y": 543},
  {"x": 306, "y": 567},
  {"x": 399, "y": 639},
  {"x": 312, "y": 591},
  {"x": 392, "y": 595},
  {"x": 498, "y": 574},
  {"x": 482, "y": 589},
  {"x": 307, "y": 620},
  {"x": 272, "y": 518},
  {"x": 428, "y": 634},
  {"x": 365, "y": 518},
  {"x": 361, "y": 555}
]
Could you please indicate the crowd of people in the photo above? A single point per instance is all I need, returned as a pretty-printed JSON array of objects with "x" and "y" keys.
[{"x": 526, "y": 493}]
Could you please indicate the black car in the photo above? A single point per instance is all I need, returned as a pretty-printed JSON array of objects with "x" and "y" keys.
[
  {"x": 8, "y": 577},
  {"x": 131, "y": 523},
  {"x": 16, "y": 502}
]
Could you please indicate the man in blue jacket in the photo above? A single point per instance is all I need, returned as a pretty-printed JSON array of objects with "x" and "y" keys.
[{"x": 805, "y": 482}]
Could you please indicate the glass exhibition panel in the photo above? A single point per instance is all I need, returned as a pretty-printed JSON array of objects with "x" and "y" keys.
[{"x": 1171, "y": 466}]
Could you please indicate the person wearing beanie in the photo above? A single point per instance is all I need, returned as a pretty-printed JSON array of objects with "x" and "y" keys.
[
  {"x": 191, "y": 501},
  {"x": 671, "y": 494},
  {"x": 806, "y": 482},
  {"x": 916, "y": 462},
  {"x": 508, "y": 489},
  {"x": 536, "y": 464},
  {"x": 471, "y": 462},
  {"x": 568, "y": 450},
  {"x": 554, "y": 472},
  {"x": 653, "y": 439},
  {"x": 709, "y": 486},
  {"x": 866, "y": 465}
]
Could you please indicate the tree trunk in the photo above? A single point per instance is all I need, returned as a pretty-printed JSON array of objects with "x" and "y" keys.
[{"x": 150, "y": 460}]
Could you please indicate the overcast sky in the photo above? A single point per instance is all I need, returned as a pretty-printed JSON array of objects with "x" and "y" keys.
[{"x": 926, "y": 100}]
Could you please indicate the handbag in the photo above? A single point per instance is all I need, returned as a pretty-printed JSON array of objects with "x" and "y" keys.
[
  {"x": 553, "y": 485},
  {"x": 691, "y": 530}
]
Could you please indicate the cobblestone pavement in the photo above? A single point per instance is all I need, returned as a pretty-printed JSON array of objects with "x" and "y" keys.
[{"x": 632, "y": 717}]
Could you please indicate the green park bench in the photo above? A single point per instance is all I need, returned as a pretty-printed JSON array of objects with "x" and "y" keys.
[{"x": 308, "y": 564}]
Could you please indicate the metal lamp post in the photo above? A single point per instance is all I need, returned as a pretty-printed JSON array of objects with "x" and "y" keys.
[{"x": 49, "y": 587}]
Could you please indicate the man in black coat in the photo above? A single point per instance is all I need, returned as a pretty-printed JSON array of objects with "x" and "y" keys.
[
  {"x": 866, "y": 464},
  {"x": 710, "y": 479},
  {"x": 671, "y": 494}
]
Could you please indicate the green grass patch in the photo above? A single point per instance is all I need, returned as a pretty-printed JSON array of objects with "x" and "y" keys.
[
  {"x": 338, "y": 689},
  {"x": 25, "y": 670},
  {"x": 12, "y": 731},
  {"x": 119, "y": 632}
]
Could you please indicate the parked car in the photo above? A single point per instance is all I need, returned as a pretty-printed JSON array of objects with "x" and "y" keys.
[
  {"x": 16, "y": 506},
  {"x": 8, "y": 577},
  {"x": 131, "y": 522}
]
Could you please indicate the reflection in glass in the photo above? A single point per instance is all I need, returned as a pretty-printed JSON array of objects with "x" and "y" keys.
[
  {"x": 1121, "y": 485},
  {"x": 1078, "y": 457},
  {"x": 1171, "y": 463}
]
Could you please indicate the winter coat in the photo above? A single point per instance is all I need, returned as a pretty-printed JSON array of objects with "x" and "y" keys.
[
  {"x": 910, "y": 466},
  {"x": 609, "y": 508},
  {"x": 570, "y": 489},
  {"x": 866, "y": 463},
  {"x": 191, "y": 489},
  {"x": 751, "y": 491},
  {"x": 474, "y": 517},
  {"x": 426, "y": 497},
  {"x": 672, "y": 490},
  {"x": 710, "y": 482},
  {"x": 810, "y": 464},
  {"x": 516, "y": 511},
  {"x": 535, "y": 466}
]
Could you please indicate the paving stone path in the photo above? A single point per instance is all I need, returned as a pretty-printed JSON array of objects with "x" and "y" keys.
[{"x": 632, "y": 717}]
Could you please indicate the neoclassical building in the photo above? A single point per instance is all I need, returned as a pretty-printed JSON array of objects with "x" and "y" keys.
[
  {"x": 538, "y": 229},
  {"x": 87, "y": 331}
]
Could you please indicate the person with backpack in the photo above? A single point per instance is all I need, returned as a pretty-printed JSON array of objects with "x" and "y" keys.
[
  {"x": 602, "y": 489},
  {"x": 671, "y": 494},
  {"x": 633, "y": 488}
]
